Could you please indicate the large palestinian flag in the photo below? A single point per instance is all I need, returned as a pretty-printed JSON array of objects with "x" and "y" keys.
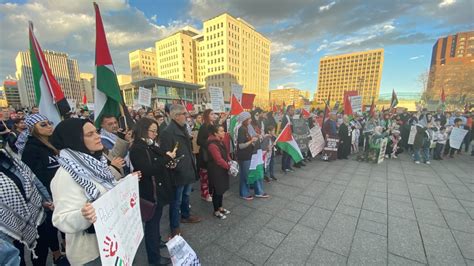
[
  {"x": 287, "y": 143},
  {"x": 107, "y": 90},
  {"x": 49, "y": 96},
  {"x": 256, "y": 169},
  {"x": 235, "y": 109}
]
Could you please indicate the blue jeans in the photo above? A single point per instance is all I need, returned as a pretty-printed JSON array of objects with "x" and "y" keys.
[
  {"x": 179, "y": 208},
  {"x": 9, "y": 254},
  {"x": 424, "y": 151},
  {"x": 244, "y": 172},
  {"x": 258, "y": 187},
  {"x": 269, "y": 172},
  {"x": 285, "y": 161}
]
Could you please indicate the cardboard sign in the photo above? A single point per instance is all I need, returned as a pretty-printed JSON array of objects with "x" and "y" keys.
[
  {"x": 316, "y": 144},
  {"x": 411, "y": 137},
  {"x": 356, "y": 104},
  {"x": 144, "y": 97},
  {"x": 237, "y": 90},
  {"x": 456, "y": 137},
  {"x": 301, "y": 134},
  {"x": 217, "y": 99},
  {"x": 383, "y": 147},
  {"x": 119, "y": 228}
]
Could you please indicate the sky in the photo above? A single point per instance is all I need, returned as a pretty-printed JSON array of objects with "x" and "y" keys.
[{"x": 301, "y": 31}]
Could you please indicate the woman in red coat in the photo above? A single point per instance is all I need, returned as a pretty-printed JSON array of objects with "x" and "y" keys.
[{"x": 217, "y": 168}]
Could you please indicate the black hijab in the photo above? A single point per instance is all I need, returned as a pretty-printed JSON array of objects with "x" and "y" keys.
[{"x": 69, "y": 134}]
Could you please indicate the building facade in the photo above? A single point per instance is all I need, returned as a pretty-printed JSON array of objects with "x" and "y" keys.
[
  {"x": 360, "y": 71},
  {"x": 64, "y": 69},
  {"x": 289, "y": 96},
  {"x": 452, "y": 68},
  {"x": 87, "y": 86},
  {"x": 12, "y": 95},
  {"x": 142, "y": 63}
]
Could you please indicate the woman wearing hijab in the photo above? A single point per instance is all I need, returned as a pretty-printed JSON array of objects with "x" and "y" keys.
[
  {"x": 345, "y": 139},
  {"x": 83, "y": 176},
  {"x": 40, "y": 156},
  {"x": 155, "y": 186}
]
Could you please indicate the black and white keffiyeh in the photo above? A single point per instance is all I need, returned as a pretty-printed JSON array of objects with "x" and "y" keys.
[
  {"x": 20, "y": 216},
  {"x": 84, "y": 168}
]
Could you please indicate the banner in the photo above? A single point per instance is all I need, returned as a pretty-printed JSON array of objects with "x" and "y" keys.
[
  {"x": 456, "y": 137},
  {"x": 119, "y": 228},
  {"x": 411, "y": 137},
  {"x": 356, "y": 104},
  {"x": 383, "y": 147},
  {"x": 217, "y": 99},
  {"x": 144, "y": 97},
  {"x": 316, "y": 144},
  {"x": 301, "y": 134},
  {"x": 237, "y": 90}
]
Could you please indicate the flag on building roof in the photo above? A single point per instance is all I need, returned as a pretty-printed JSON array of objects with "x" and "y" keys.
[
  {"x": 287, "y": 143},
  {"x": 49, "y": 96},
  {"x": 235, "y": 109},
  {"x": 107, "y": 90},
  {"x": 394, "y": 101}
]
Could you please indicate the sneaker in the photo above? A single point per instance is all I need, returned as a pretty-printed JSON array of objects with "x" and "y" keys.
[
  {"x": 220, "y": 215},
  {"x": 386, "y": 156},
  {"x": 267, "y": 179},
  {"x": 274, "y": 178},
  {"x": 394, "y": 156},
  {"x": 302, "y": 164},
  {"x": 208, "y": 198},
  {"x": 225, "y": 211},
  {"x": 289, "y": 170},
  {"x": 192, "y": 219},
  {"x": 263, "y": 196},
  {"x": 247, "y": 198},
  {"x": 428, "y": 162},
  {"x": 417, "y": 162}
]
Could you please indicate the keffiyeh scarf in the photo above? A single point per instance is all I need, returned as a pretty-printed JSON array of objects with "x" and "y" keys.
[
  {"x": 84, "y": 169},
  {"x": 20, "y": 216},
  {"x": 109, "y": 136}
]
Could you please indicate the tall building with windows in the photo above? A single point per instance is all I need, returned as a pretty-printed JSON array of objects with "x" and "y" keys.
[
  {"x": 87, "y": 86},
  {"x": 65, "y": 70},
  {"x": 12, "y": 94},
  {"x": 176, "y": 56},
  {"x": 289, "y": 96},
  {"x": 452, "y": 68},
  {"x": 360, "y": 71},
  {"x": 142, "y": 63}
]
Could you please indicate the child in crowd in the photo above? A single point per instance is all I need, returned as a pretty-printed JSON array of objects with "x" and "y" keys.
[{"x": 441, "y": 136}]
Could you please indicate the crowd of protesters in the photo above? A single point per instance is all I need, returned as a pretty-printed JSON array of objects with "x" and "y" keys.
[{"x": 50, "y": 173}]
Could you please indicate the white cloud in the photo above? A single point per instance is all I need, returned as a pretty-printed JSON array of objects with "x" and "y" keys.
[
  {"x": 154, "y": 18},
  {"x": 279, "y": 48},
  {"x": 416, "y": 57},
  {"x": 446, "y": 3},
  {"x": 326, "y": 7},
  {"x": 281, "y": 68}
]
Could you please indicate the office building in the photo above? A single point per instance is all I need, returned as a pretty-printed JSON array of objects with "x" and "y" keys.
[
  {"x": 64, "y": 69},
  {"x": 289, "y": 96},
  {"x": 359, "y": 71},
  {"x": 12, "y": 95},
  {"x": 87, "y": 86},
  {"x": 142, "y": 63}
]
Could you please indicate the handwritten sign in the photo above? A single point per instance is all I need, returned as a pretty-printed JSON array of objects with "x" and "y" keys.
[
  {"x": 237, "y": 91},
  {"x": 383, "y": 147},
  {"x": 317, "y": 143},
  {"x": 456, "y": 137},
  {"x": 119, "y": 227},
  {"x": 356, "y": 103},
  {"x": 217, "y": 99},
  {"x": 144, "y": 96},
  {"x": 301, "y": 134}
]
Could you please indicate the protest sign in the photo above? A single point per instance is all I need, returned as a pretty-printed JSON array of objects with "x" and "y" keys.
[
  {"x": 217, "y": 99},
  {"x": 316, "y": 144},
  {"x": 237, "y": 91},
  {"x": 411, "y": 137},
  {"x": 90, "y": 106},
  {"x": 301, "y": 134},
  {"x": 356, "y": 104},
  {"x": 119, "y": 227},
  {"x": 144, "y": 97},
  {"x": 456, "y": 137},
  {"x": 330, "y": 150},
  {"x": 383, "y": 147}
]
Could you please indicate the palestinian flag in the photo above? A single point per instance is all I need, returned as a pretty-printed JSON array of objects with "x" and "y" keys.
[
  {"x": 287, "y": 143},
  {"x": 49, "y": 96},
  {"x": 107, "y": 90},
  {"x": 235, "y": 109},
  {"x": 394, "y": 100},
  {"x": 305, "y": 113},
  {"x": 257, "y": 166},
  {"x": 372, "y": 109}
]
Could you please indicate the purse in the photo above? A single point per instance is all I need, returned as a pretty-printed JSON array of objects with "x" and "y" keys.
[{"x": 147, "y": 208}]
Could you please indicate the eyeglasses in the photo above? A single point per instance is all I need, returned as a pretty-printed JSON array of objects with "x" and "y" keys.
[{"x": 45, "y": 124}]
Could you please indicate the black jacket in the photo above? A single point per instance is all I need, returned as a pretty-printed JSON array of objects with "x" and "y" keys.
[
  {"x": 285, "y": 121},
  {"x": 186, "y": 171},
  {"x": 41, "y": 160},
  {"x": 202, "y": 136},
  {"x": 151, "y": 160}
]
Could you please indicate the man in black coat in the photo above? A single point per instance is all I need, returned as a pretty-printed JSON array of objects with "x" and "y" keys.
[{"x": 185, "y": 172}]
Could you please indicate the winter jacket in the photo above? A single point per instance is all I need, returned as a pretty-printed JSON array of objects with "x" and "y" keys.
[{"x": 218, "y": 166}]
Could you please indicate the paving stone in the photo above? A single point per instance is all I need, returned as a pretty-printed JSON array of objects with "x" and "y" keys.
[
  {"x": 441, "y": 249},
  {"x": 322, "y": 257},
  {"x": 401, "y": 198},
  {"x": 377, "y": 194},
  {"x": 404, "y": 239},
  {"x": 233, "y": 239},
  {"x": 368, "y": 249},
  {"x": 394, "y": 260},
  {"x": 375, "y": 204},
  {"x": 305, "y": 199},
  {"x": 401, "y": 209},
  {"x": 298, "y": 206},
  {"x": 348, "y": 210},
  {"x": 377, "y": 186},
  {"x": 269, "y": 237},
  {"x": 280, "y": 225},
  {"x": 241, "y": 210},
  {"x": 329, "y": 199},
  {"x": 214, "y": 255},
  {"x": 296, "y": 247},
  {"x": 237, "y": 261},
  {"x": 449, "y": 204},
  {"x": 459, "y": 221},
  {"x": 466, "y": 243},
  {"x": 374, "y": 216},
  {"x": 419, "y": 191},
  {"x": 353, "y": 197},
  {"x": 431, "y": 216},
  {"x": 424, "y": 204},
  {"x": 316, "y": 218},
  {"x": 338, "y": 234},
  {"x": 256, "y": 253},
  {"x": 373, "y": 227},
  {"x": 290, "y": 215}
]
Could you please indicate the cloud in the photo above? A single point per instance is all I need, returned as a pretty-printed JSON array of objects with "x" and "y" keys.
[
  {"x": 326, "y": 7},
  {"x": 279, "y": 48},
  {"x": 416, "y": 57},
  {"x": 446, "y": 3},
  {"x": 281, "y": 68},
  {"x": 292, "y": 84},
  {"x": 69, "y": 26},
  {"x": 154, "y": 18}
]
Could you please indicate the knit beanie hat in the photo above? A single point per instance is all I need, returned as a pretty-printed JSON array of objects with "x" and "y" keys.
[
  {"x": 244, "y": 116},
  {"x": 31, "y": 120}
]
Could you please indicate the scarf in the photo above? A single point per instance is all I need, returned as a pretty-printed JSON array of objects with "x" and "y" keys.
[
  {"x": 108, "y": 136},
  {"x": 20, "y": 216},
  {"x": 84, "y": 169}
]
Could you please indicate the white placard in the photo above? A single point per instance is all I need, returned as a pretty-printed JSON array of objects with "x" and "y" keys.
[
  {"x": 119, "y": 228},
  {"x": 356, "y": 104},
  {"x": 237, "y": 90},
  {"x": 217, "y": 99},
  {"x": 411, "y": 137},
  {"x": 456, "y": 137},
  {"x": 90, "y": 106},
  {"x": 144, "y": 96},
  {"x": 383, "y": 148},
  {"x": 317, "y": 143}
]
